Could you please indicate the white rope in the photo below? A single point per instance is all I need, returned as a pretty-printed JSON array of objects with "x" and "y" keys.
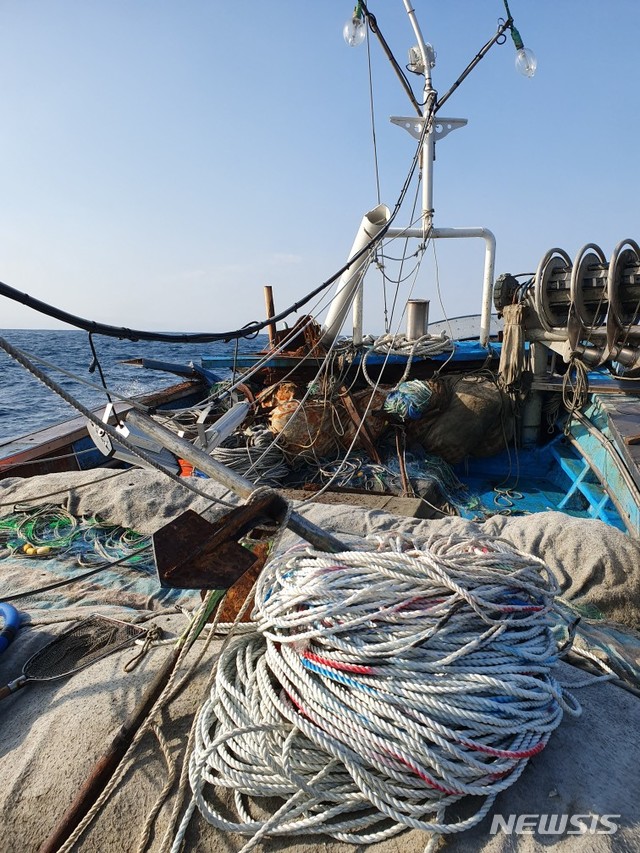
[
  {"x": 427, "y": 345},
  {"x": 397, "y": 344},
  {"x": 379, "y": 688}
]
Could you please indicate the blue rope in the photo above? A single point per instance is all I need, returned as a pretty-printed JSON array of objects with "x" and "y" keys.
[{"x": 410, "y": 400}]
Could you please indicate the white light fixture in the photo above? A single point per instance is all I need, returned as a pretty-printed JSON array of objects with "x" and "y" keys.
[
  {"x": 355, "y": 30},
  {"x": 526, "y": 62}
]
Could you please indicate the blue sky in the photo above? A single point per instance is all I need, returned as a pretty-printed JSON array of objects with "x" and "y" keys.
[{"x": 161, "y": 161}]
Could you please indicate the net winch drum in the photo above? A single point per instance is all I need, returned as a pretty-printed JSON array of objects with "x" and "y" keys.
[
  {"x": 570, "y": 294},
  {"x": 588, "y": 310},
  {"x": 588, "y": 287},
  {"x": 623, "y": 287},
  {"x": 592, "y": 303},
  {"x": 551, "y": 291}
]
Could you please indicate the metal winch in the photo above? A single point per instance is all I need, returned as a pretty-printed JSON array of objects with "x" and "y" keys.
[{"x": 588, "y": 308}]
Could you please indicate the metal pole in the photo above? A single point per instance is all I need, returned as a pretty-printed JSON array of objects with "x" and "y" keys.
[
  {"x": 489, "y": 264},
  {"x": 243, "y": 487},
  {"x": 428, "y": 146},
  {"x": 357, "y": 315}
]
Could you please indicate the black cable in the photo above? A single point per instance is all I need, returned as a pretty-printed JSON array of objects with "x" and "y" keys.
[
  {"x": 96, "y": 364},
  {"x": 373, "y": 120},
  {"x": 373, "y": 23},
  {"x": 123, "y": 333},
  {"x": 502, "y": 28}
]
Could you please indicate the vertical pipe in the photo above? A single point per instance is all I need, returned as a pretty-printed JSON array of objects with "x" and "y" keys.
[
  {"x": 417, "y": 318},
  {"x": 487, "y": 286},
  {"x": 532, "y": 412},
  {"x": 428, "y": 147},
  {"x": 372, "y": 223},
  {"x": 428, "y": 157},
  {"x": 271, "y": 312}
]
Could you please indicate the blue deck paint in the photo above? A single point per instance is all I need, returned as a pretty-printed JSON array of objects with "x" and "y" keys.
[
  {"x": 464, "y": 351},
  {"x": 538, "y": 482}
]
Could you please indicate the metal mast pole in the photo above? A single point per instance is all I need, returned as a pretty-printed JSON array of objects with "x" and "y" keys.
[{"x": 428, "y": 147}]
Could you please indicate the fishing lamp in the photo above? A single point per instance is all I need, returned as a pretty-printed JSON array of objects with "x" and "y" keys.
[
  {"x": 355, "y": 29},
  {"x": 526, "y": 62}
]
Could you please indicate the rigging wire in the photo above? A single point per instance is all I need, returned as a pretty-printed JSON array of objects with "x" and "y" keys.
[
  {"x": 413, "y": 220},
  {"x": 375, "y": 161},
  {"x": 498, "y": 38},
  {"x": 373, "y": 120}
]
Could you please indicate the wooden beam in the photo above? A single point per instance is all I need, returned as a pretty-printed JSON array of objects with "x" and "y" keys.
[
  {"x": 271, "y": 312},
  {"x": 355, "y": 416}
]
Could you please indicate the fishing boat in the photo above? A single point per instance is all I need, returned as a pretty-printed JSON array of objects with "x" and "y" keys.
[{"x": 510, "y": 432}]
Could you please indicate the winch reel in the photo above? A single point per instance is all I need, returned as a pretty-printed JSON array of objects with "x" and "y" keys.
[
  {"x": 623, "y": 287},
  {"x": 589, "y": 307}
]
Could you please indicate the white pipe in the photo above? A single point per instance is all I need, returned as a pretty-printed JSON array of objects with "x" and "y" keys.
[
  {"x": 421, "y": 42},
  {"x": 429, "y": 143},
  {"x": 371, "y": 225},
  {"x": 489, "y": 263}
]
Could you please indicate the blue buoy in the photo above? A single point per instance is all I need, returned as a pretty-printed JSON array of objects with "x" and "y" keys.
[{"x": 11, "y": 624}]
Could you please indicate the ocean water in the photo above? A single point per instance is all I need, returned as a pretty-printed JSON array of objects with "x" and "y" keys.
[{"x": 26, "y": 404}]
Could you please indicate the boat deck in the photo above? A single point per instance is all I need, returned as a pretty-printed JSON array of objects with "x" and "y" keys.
[{"x": 623, "y": 416}]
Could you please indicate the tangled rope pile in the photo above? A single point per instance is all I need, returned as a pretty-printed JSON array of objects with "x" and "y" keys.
[
  {"x": 253, "y": 454},
  {"x": 52, "y": 531},
  {"x": 427, "y": 345},
  {"x": 410, "y": 400},
  {"x": 379, "y": 688}
]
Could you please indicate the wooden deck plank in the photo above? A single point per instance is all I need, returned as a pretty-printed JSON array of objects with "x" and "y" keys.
[{"x": 623, "y": 416}]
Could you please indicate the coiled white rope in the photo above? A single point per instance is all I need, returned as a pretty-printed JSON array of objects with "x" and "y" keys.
[
  {"x": 379, "y": 688},
  {"x": 397, "y": 344}
]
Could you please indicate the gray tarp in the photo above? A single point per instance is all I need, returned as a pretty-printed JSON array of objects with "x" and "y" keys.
[{"x": 52, "y": 733}]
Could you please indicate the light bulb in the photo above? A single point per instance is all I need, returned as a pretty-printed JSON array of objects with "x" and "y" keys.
[
  {"x": 354, "y": 31},
  {"x": 526, "y": 62}
]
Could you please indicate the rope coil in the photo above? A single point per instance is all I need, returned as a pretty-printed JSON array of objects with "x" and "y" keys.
[{"x": 379, "y": 688}]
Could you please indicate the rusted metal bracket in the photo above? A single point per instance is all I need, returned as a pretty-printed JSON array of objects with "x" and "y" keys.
[{"x": 193, "y": 553}]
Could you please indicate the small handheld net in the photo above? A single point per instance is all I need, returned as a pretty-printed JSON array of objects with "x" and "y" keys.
[{"x": 74, "y": 649}]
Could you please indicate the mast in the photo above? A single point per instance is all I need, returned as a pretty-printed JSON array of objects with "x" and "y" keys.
[
  {"x": 421, "y": 61},
  {"x": 428, "y": 146}
]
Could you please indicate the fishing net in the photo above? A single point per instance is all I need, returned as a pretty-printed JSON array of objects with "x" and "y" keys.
[
  {"x": 409, "y": 401},
  {"x": 47, "y": 531},
  {"x": 79, "y": 647}
]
